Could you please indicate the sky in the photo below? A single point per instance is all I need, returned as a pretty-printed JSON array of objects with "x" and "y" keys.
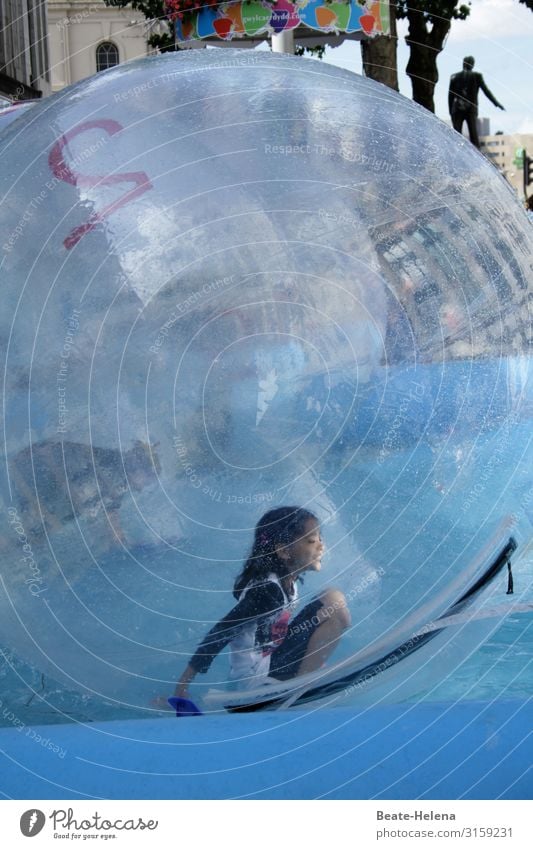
[{"x": 499, "y": 34}]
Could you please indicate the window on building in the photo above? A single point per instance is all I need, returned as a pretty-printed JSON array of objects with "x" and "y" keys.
[{"x": 106, "y": 56}]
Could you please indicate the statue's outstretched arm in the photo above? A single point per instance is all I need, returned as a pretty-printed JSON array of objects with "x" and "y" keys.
[{"x": 487, "y": 91}]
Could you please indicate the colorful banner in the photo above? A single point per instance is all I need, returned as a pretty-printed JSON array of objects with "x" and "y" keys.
[{"x": 253, "y": 18}]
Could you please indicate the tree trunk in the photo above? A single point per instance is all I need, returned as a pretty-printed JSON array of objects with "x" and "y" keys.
[
  {"x": 422, "y": 69},
  {"x": 424, "y": 47},
  {"x": 379, "y": 54}
]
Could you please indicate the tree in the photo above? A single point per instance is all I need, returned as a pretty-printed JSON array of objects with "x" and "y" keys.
[
  {"x": 153, "y": 10},
  {"x": 379, "y": 54},
  {"x": 429, "y": 24}
]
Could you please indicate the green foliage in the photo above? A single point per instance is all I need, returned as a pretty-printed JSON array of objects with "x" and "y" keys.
[
  {"x": 434, "y": 11},
  {"x": 163, "y": 42},
  {"x": 153, "y": 10},
  {"x": 319, "y": 50}
]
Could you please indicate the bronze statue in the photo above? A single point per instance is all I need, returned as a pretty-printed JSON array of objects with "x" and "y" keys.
[{"x": 462, "y": 98}]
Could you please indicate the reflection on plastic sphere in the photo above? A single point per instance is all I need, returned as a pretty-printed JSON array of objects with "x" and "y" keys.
[{"x": 232, "y": 281}]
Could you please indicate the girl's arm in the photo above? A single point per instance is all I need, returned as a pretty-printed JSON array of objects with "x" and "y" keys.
[
  {"x": 187, "y": 676},
  {"x": 259, "y": 601}
]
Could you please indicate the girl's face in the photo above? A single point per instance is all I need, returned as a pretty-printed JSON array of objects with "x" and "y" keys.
[{"x": 306, "y": 553}]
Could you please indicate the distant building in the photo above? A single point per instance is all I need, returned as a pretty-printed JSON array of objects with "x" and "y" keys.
[
  {"x": 24, "y": 62},
  {"x": 483, "y": 127},
  {"x": 86, "y": 36},
  {"x": 501, "y": 150}
]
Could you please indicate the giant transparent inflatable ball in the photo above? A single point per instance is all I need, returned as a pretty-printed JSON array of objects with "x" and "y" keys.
[{"x": 232, "y": 281}]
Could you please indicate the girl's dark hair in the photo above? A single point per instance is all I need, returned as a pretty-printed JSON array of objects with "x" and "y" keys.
[{"x": 278, "y": 527}]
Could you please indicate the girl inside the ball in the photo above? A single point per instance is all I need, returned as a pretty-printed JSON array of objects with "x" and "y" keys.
[{"x": 266, "y": 646}]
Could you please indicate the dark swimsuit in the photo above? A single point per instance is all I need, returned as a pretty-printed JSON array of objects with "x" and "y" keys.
[{"x": 285, "y": 642}]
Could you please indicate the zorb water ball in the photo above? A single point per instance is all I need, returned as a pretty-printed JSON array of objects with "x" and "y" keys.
[{"x": 233, "y": 281}]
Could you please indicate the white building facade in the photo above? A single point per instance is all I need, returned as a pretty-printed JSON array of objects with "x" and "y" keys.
[
  {"x": 24, "y": 58},
  {"x": 86, "y": 36}
]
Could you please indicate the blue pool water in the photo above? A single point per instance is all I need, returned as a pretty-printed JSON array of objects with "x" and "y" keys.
[{"x": 466, "y": 738}]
